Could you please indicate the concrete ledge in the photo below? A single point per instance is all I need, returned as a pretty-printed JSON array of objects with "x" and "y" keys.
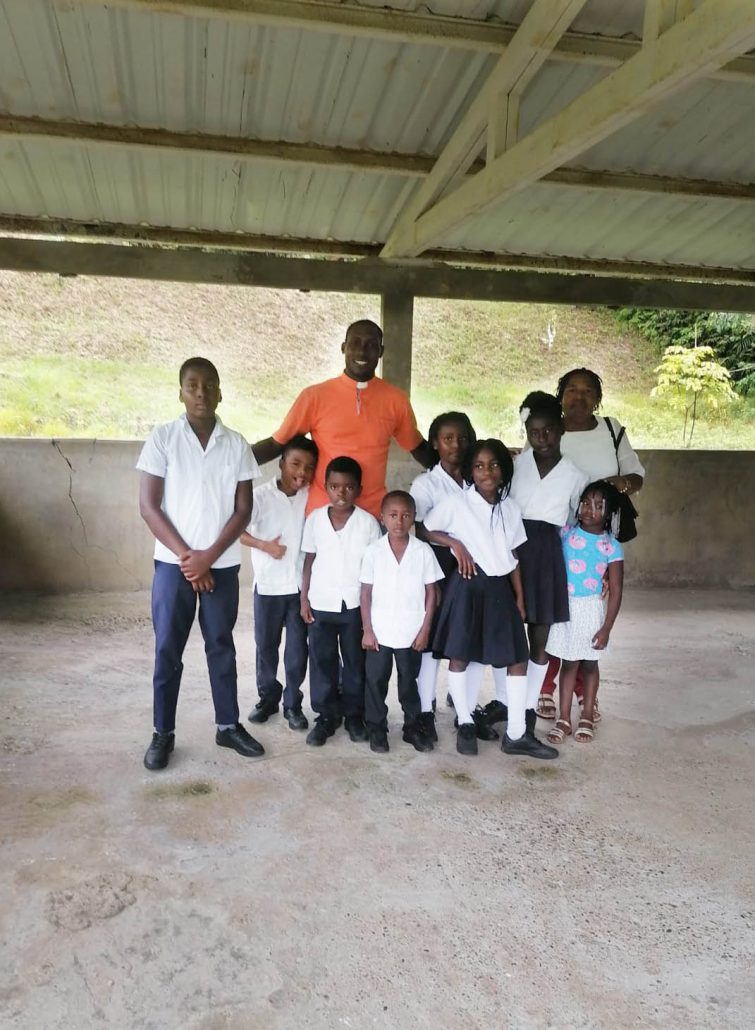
[{"x": 69, "y": 517}]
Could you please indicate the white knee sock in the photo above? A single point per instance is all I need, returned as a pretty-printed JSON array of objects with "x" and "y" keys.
[
  {"x": 457, "y": 687},
  {"x": 535, "y": 680},
  {"x": 428, "y": 677},
  {"x": 499, "y": 678},
  {"x": 474, "y": 682},
  {"x": 516, "y": 688}
]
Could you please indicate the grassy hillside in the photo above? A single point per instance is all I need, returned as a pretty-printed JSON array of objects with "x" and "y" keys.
[{"x": 99, "y": 357}]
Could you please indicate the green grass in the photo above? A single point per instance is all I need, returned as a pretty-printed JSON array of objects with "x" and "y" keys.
[{"x": 99, "y": 358}]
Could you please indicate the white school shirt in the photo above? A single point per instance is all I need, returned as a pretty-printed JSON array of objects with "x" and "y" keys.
[
  {"x": 398, "y": 589},
  {"x": 338, "y": 557},
  {"x": 555, "y": 497},
  {"x": 200, "y": 485},
  {"x": 489, "y": 533},
  {"x": 592, "y": 450},
  {"x": 277, "y": 515},
  {"x": 429, "y": 488}
]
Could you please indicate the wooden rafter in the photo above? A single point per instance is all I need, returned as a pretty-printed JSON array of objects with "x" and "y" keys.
[
  {"x": 46, "y": 228},
  {"x": 416, "y": 166},
  {"x": 412, "y": 27},
  {"x": 706, "y": 39}
]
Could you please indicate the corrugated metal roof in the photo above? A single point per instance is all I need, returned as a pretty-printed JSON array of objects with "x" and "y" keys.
[{"x": 80, "y": 61}]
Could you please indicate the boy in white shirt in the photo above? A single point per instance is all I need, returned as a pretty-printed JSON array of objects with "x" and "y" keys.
[
  {"x": 398, "y": 599},
  {"x": 335, "y": 539},
  {"x": 195, "y": 494},
  {"x": 275, "y": 534}
]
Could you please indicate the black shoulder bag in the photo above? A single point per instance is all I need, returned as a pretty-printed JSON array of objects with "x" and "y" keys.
[{"x": 628, "y": 514}]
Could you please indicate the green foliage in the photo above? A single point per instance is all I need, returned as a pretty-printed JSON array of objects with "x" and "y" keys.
[
  {"x": 692, "y": 380},
  {"x": 732, "y": 337}
]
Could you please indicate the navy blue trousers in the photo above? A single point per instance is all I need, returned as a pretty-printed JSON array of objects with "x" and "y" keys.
[
  {"x": 272, "y": 614},
  {"x": 329, "y": 632},
  {"x": 174, "y": 606},
  {"x": 378, "y": 668}
]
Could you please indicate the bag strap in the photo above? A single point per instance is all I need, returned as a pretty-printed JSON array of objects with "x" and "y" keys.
[{"x": 616, "y": 439}]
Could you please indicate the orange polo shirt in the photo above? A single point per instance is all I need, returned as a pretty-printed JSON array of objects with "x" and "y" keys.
[{"x": 345, "y": 420}]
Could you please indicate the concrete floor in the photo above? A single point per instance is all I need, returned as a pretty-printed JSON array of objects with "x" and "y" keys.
[{"x": 337, "y": 888}]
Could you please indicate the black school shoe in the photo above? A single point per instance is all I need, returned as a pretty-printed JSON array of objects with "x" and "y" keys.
[
  {"x": 159, "y": 750},
  {"x": 295, "y": 718},
  {"x": 354, "y": 726},
  {"x": 263, "y": 710},
  {"x": 322, "y": 729},
  {"x": 466, "y": 739},
  {"x": 484, "y": 730},
  {"x": 426, "y": 722},
  {"x": 496, "y": 711},
  {"x": 414, "y": 735},
  {"x": 240, "y": 741},
  {"x": 529, "y": 746},
  {"x": 379, "y": 741}
]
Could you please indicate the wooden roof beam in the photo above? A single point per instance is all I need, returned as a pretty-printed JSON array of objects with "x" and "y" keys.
[
  {"x": 410, "y": 27},
  {"x": 416, "y": 166},
  {"x": 46, "y": 228},
  {"x": 704, "y": 40}
]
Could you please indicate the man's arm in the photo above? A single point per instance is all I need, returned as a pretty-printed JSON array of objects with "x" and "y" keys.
[
  {"x": 151, "y": 490},
  {"x": 267, "y": 450},
  {"x": 272, "y": 547},
  {"x": 431, "y": 599},
  {"x": 306, "y": 578},
  {"x": 423, "y": 453},
  {"x": 195, "y": 563},
  {"x": 369, "y": 640}
]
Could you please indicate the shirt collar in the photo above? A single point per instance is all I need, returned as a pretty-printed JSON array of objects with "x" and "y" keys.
[{"x": 218, "y": 430}]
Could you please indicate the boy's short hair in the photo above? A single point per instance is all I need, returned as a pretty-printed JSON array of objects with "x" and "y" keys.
[
  {"x": 347, "y": 466},
  {"x": 300, "y": 442},
  {"x": 196, "y": 363},
  {"x": 368, "y": 324},
  {"x": 398, "y": 495}
]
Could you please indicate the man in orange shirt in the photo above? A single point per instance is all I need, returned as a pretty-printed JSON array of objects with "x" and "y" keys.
[{"x": 355, "y": 414}]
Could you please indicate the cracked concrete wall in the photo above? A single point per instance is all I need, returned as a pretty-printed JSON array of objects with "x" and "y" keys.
[{"x": 69, "y": 517}]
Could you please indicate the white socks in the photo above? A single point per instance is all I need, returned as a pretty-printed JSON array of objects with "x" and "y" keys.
[
  {"x": 535, "y": 680},
  {"x": 516, "y": 688},
  {"x": 474, "y": 682},
  {"x": 499, "y": 678},
  {"x": 427, "y": 679},
  {"x": 457, "y": 688}
]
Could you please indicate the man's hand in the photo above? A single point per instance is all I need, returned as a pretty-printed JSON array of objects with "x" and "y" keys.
[
  {"x": 204, "y": 585},
  {"x": 370, "y": 641},
  {"x": 306, "y": 612},
  {"x": 421, "y": 641}
]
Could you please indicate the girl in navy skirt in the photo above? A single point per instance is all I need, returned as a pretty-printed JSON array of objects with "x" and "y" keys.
[
  {"x": 481, "y": 617},
  {"x": 451, "y": 435},
  {"x": 546, "y": 486}
]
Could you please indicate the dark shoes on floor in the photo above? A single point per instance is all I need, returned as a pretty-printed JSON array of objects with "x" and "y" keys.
[
  {"x": 379, "y": 741},
  {"x": 295, "y": 718},
  {"x": 496, "y": 711},
  {"x": 263, "y": 710},
  {"x": 159, "y": 750},
  {"x": 241, "y": 741},
  {"x": 529, "y": 746},
  {"x": 322, "y": 729},
  {"x": 482, "y": 725},
  {"x": 426, "y": 722},
  {"x": 414, "y": 735},
  {"x": 354, "y": 726},
  {"x": 466, "y": 739}
]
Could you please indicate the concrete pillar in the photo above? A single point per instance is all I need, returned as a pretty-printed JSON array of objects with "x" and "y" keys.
[{"x": 397, "y": 314}]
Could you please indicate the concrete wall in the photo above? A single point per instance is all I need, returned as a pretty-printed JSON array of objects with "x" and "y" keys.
[{"x": 69, "y": 517}]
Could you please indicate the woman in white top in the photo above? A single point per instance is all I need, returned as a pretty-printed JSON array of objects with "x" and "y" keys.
[{"x": 599, "y": 447}]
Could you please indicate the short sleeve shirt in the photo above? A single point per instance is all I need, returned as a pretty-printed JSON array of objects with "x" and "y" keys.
[
  {"x": 553, "y": 498},
  {"x": 593, "y": 451},
  {"x": 356, "y": 421},
  {"x": 277, "y": 515},
  {"x": 200, "y": 485},
  {"x": 398, "y": 589},
  {"x": 489, "y": 532},
  {"x": 587, "y": 556},
  {"x": 429, "y": 488},
  {"x": 338, "y": 557}
]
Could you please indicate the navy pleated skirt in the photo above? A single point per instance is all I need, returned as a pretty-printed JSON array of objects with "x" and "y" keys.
[
  {"x": 543, "y": 570},
  {"x": 479, "y": 622}
]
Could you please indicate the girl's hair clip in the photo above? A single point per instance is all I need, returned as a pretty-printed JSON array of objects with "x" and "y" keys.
[{"x": 524, "y": 414}]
